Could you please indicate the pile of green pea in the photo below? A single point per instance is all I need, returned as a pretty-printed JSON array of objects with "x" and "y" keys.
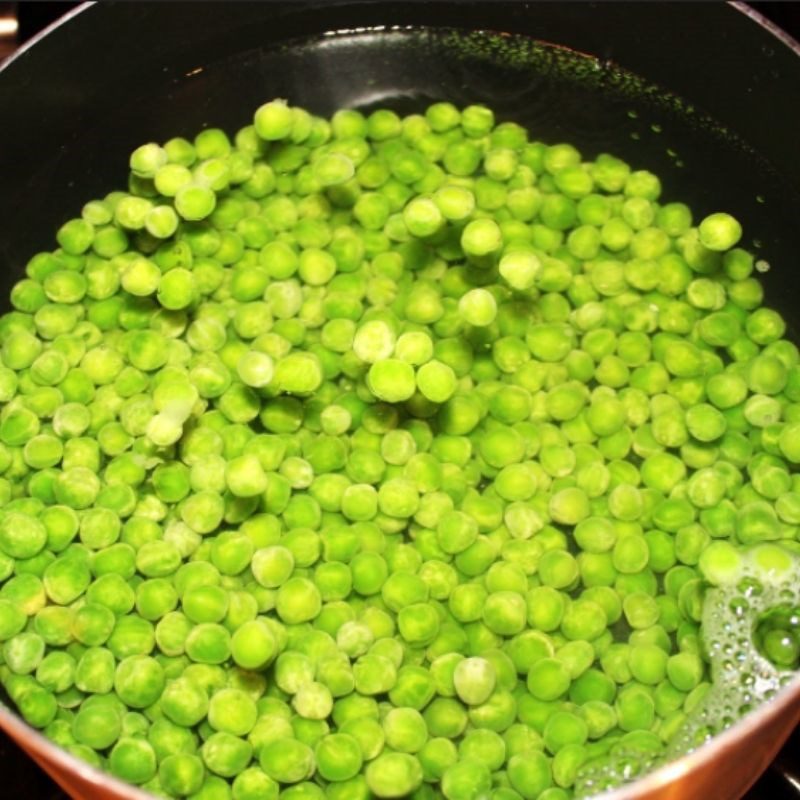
[{"x": 381, "y": 457}]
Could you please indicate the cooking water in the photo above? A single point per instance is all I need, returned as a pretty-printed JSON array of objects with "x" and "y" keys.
[{"x": 759, "y": 602}]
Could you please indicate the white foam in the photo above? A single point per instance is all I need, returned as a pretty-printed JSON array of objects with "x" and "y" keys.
[{"x": 741, "y": 678}]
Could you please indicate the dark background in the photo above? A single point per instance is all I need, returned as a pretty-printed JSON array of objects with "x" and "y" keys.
[
  {"x": 21, "y": 777},
  {"x": 33, "y": 15}
]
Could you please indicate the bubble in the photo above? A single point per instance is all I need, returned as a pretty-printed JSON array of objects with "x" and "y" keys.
[
  {"x": 750, "y": 586},
  {"x": 609, "y": 771},
  {"x": 738, "y": 606}
]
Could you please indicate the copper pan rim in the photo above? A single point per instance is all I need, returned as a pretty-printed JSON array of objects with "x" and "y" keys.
[
  {"x": 715, "y": 750},
  {"x": 46, "y": 752}
]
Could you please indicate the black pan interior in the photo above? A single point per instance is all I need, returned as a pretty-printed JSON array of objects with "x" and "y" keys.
[{"x": 118, "y": 75}]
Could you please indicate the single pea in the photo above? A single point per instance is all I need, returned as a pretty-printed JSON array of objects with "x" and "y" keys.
[
  {"x": 226, "y": 755},
  {"x": 719, "y": 231},
  {"x": 474, "y": 680},
  {"x": 183, "y": 774},
  {"x": 529, "y": 773},
  {"x": 393, "y": 775},
  {"x": 436, "y": 381},
  {"x": 313, "y": 701},
  {"x": 391, "y": 380},
  {"x": 273, "y": 120},
  {"x": 184, "y": 703},
  {"x": 253, "y": 645},
  {"x": 287, "y": 760},
  {"x": 96, "y": 727},
  {"x": 478, "y": 307},
  {"x": 132, "y": 760},
  {"x": 333, "y": 169},
  {"x": 232, "y": 711},
  {"x": 298, "y": 600},
  {"x": 338, "y": 757},
  {"x": 139, "y": 681}
]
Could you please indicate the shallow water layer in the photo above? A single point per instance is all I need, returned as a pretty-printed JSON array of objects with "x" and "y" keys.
[{"x": 742, "y": 677}]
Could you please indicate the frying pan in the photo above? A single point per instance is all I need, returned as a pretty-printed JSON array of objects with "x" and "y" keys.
[{"x": 705, "y": 95}]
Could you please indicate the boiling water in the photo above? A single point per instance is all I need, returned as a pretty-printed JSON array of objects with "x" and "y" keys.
[{"x": 764, "y": 593}]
